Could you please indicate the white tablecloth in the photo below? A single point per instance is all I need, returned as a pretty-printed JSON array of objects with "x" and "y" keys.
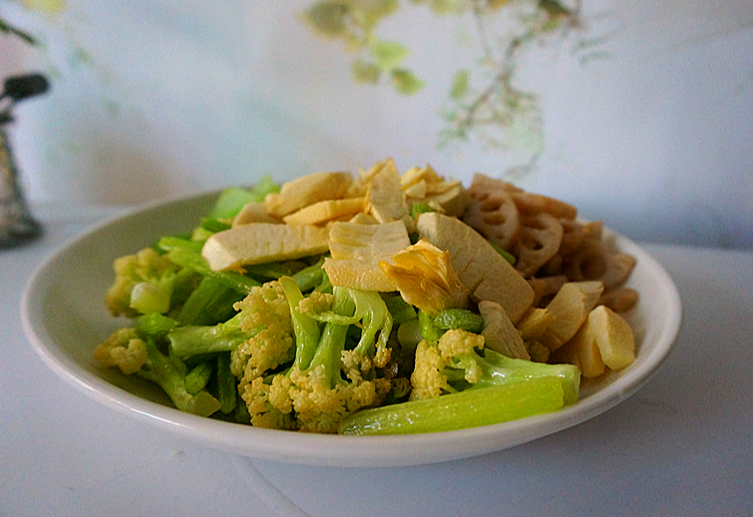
[{"x": 683, "y": 445}]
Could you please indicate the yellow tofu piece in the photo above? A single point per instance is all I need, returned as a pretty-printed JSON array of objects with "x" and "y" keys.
[
  {"x": 481, "y": 269},
  {"x": 453, "y": 201},
  {"x": 582, "y": 352},
  {"x": 416, "y": 191},
  {"x": 386, "y": 200},
  {"x": 307, "y": 190},
  {"x": 363, "y": 218},
  {"x": 534, "y": 323},
  {"x": 416, "y": 175},
  {"x": 570, "y": 308},
  {"x": 253, "y": 213},
  {"x": 325, "y": 211},
  {"x": 499, "y": 332},
  {"x": 604, "y": 341},
  {"x": 257, "y": 243}
]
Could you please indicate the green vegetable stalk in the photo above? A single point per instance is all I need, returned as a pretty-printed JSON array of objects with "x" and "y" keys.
[{"x": 462, "y": 410}]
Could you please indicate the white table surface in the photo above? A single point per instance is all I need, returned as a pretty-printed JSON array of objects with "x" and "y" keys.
[{"x": 683, "y": 445}]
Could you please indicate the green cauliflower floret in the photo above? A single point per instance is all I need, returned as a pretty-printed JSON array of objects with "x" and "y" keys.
[
  {"x": 314, "y": 394},
  {"x": 144, "y": 282},
  {"x": 458, "y": 362},
  {"x": 133, "y": 352}
]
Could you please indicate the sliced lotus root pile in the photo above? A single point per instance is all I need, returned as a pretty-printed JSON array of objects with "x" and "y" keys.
[
  {"x": 494, "y": 215},
  {"x": 541, "y": 237},
  {"x": 550, "y": 245}
]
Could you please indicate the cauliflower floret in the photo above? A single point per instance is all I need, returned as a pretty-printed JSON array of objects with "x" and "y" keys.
[
  {"x": 145, "y": 266},
  {"x": 124, "y": 349},
  {"x": 458, "y": 341},
  {"x": 319, "y": 407},
  {"x": 257, "y": 395},
  {"x": 268, "y": 315},
  {"x": 315, "y": 302},
  {"x": 427, "y": 379}
]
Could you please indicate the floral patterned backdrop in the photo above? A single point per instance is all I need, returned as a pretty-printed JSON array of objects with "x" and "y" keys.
[{"x": 639, "y": 114}]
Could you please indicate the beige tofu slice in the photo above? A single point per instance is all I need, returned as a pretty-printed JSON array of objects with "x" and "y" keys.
[
  {"x": 499, "y": 332},
  {"x": 257, "y": 243},
  {"x": 605, "y": 340},
  {"x": 481, "y": 269},
  {"x": 454, "y": 200},
  {"x": 253, "y": 212},
  {"x": 386, "y": 200},
  {"x": 570, "y": 308},
  {"x": 325, "y": 211},
  {"x": 307, "y": 190}
]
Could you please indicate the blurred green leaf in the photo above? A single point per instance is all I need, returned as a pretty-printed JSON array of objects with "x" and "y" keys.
[
  {"x": 9, "y": 29},
  {"x": 553, "y": 8},
  {"x": 328, "y": 17},
  {"x": 460, "y": 84},
  {"x": 445, "y": 7},
  {"x": 365, "y": 72},
  {"x": 497, "y": 4},
  {"x": 388, "y": 54},
  {"x": 370, "y": 12},
  {"x": 406, "y": 82}
]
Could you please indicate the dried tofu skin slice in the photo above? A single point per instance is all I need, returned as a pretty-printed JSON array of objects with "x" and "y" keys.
[{"x": 357, "y": 250}]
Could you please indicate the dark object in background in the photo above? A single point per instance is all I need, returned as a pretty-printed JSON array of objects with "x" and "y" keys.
[{"x": 16, "y": 223}]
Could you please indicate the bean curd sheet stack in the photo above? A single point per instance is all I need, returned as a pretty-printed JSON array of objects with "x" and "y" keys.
[{"x": 394, "y": 290}]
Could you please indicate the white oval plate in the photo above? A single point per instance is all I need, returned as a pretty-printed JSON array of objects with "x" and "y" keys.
[{"x": 65, "y": 318}]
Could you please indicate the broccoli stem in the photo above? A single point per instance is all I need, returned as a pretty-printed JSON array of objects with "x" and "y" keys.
[
  {"x": 375, "y": 317},
  {"x": 226, "y": 384},
  {"x": 210, "y": 303},
  {"x": 429, "y": 331},
  {"x": 198, "y": 378},
  {"x": 305, "y": 328},
  {"x": 170, "y": 375},
  {"x": 310, "y": 277},
  {"x": 192, "y": 340},
  {"x": 268, "y": 270},
  {"x": 459, "y": 319},
  {"x": 461, "y": 410},
  {"x": 155, "y": 325},
  {"x": 400, "y": 310},
  {"x": 332, "y": 342},
  {"x": 214, "y": 225},
  {"x": 146, "y": 297},
  {"x": 499, "y": 369}
]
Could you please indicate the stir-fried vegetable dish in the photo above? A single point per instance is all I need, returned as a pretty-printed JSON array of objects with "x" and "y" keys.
[{"x": 374, "y": 303}]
